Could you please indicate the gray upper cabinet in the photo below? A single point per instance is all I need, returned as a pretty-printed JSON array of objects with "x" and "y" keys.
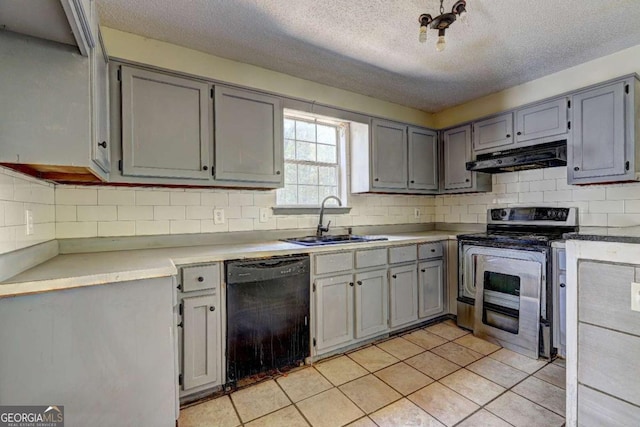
[
  {"x": 456, "y": 152},
  {"x": 100, "y": 145},
  {"x": 389, "y": 155},
  {"x": 248, "y": 138},
  {"x": 603, "y": 143},
  {"x": 423, "y": 159},
  {"x": 165, "y": 125},
  {"x": 494, "y": 132},
  {"x": 540, "y": 121}
]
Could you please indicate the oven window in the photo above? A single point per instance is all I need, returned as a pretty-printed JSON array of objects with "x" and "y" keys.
[{"x": 502, "y": 283}]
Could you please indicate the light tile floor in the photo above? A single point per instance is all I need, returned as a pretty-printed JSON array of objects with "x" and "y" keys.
[{"x": 436, "y": 376}]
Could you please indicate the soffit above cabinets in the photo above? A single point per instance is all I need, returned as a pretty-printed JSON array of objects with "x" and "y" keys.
[
  {"x": 43, "y": 19},
  {"x": 371, "y": 46}
]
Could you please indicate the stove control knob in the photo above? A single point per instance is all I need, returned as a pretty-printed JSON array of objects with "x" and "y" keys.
[{"x": 503, "y": 213}]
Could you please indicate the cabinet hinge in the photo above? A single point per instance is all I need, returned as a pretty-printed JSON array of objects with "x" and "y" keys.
[
  {"x": 213, "y": 171},
  {"x": 314, "y": 342},
  {"x": 180, "y": 379},
  {"x": 180, "y": 309},
  {"x": 569, "y": 125},
  {"x": 119, "y": 75},
  {"x": 626, "y": 165},
  {"x": 626, "y": 88},
  {"x": 211, "y": 93},
  {"x": 120, "y": 165},
  {"x": 569, "y": 103},
  {"x": 314, "y": 287}
]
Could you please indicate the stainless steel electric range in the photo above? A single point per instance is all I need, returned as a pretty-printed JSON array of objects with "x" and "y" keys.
[{"x": 504, "y": 283}]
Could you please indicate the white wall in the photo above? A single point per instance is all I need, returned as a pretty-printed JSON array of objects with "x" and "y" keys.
[{"x": 18, "y": 193}]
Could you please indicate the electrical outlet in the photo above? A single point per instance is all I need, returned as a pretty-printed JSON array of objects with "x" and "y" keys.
[
  {"x": 264, "y": 214},
  {"x": 635, "y": 296},
  {"x": 28, "y": 220},
  {"x": 218, "y": 216},
  {"x": 416, "y": 213}
]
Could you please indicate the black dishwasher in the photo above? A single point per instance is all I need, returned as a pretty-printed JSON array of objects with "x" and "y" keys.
[{"x": 267, "y": 314}]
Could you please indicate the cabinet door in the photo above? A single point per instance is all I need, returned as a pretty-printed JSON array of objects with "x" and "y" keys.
[
  {"x": 165, "y": 125},
  {"x": 100, "y": 144},
  {"x": 334, "y": 311},
  {"x": 457, "y": 152},
  {"x": 597, "y": 148},
  {"x": 372, "y": 303},
  {"x": 492, "y": 133},
  {"x": 542, "y": 120},
  {"x": 389, "y": 155},
  {"x": 423, "y": 159},
  {"x": 431, "y": 288},
  {"x": 404, "y": 295},
  {"x": 248, "y": 137},
  {"x": 201, "y": 336}
]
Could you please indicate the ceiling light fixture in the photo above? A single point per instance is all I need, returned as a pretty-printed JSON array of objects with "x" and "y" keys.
[{"x": 442, "y": 22}]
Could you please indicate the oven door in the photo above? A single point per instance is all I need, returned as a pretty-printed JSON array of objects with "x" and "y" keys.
[{"x": 508, "y": 299}]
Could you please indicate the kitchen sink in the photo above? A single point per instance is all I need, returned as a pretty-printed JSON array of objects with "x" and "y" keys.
[{"x": 332, "y": 239}]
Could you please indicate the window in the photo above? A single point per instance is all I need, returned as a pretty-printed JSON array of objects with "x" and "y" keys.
[{"x": 313, "y": 152}]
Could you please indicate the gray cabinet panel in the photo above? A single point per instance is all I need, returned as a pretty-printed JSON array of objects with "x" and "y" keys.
[
  {"x": 248, "y": 137},
  {"x": 607, "y": 361},
  {"x": 165, "y": 125},
  {"x": 492, "y": 133},
  {"x": 423, "y": 159},
  {"x": 542, "y": 120},
  {"x": 403, "y": 284},
  {"x": 100, "y": 144},
  {"x": 431, "y": 288},
  {"x": 334, "y": 311},
  {"x": 201, "y": 341},
  {"x": 597, "y": 147},
  {"x": 457, "y": 152},
  {"x": 389, "y": 151},
  {"x": 600, "y": 282},
  {"x": 597, "y": 409},
  {"x": 372, "y": 303}
]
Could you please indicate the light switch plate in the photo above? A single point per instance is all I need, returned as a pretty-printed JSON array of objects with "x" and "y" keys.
[
  {"x": 416, "y": 213},
  {"x": 28, "y": 220},
  {"x": 635, "y": 296},
  {"x": 218, "y": 216}
]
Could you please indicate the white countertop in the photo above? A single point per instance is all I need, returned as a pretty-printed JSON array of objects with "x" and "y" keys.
[{"x": 98, "y": 268}]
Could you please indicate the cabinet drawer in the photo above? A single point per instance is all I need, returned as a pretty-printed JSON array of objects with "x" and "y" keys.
[
  {"x": 430, "y": 250},
  {"x": 331, "y": 263},
  {"x": 371, "y": 258},
  {"x": 402, "y": 254},
  {"x": 200, "y": 277}
]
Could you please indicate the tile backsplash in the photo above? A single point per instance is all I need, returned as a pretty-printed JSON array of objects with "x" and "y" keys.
[
  {"x": 64, "y": 211},
  {"x": 18, "y": 194}
]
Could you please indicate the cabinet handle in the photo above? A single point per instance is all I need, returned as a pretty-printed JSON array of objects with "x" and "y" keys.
[
  {"x": 394, "y": 276},
  {"x": 204, "y": 168},
  {"x": 376, "y": 179},
  {"x": 212, "y": 308},
  {"x": 423, "y": 270},
  {"x": 519, "y": 133},
  {"x": 466, "y": 180},
  {"x": 277, "y": 172},
  {"x": 576, "y": 168},
  {"x": 508, "y": 135},
  {"x": 103, "y": 144},
  {"x": 359, "y": 282},
  {"x": 200, "y": 279},
  {"x": 562, "y": 285},
  {"x": 433, "y": 250},
  {"x": 350, "y": 283},
  {"x": 413, "y": 182},
  {"x": 179, "y": 287}
]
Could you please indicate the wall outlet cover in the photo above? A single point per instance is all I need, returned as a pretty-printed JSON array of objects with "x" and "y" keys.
[
  {"x": 28, "y": 220},
  {"x": 416, "y": 213},
  {"x": 635, "y": 296},
  {"x": 218, "y": 216},
  {"x": 264, "y": 214}
]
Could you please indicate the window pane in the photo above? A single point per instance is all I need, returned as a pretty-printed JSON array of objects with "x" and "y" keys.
[
  {"x": 290, "y": 173},
  {"x": 327, "y": 134},
  {"x": 289, "y": 149},
  {"x": 306, "y": 151},
  {"x": 328, "y": 191},
  {"x": 308, "y": 174},
  {"x": 308, "y": 195},
  {"x": 287, "y": 195},
  {"x": 328, "y": 175},
  {"x": 327, "y": 153},
  {"x": 289, "y": 129},
  {"x": 305, "y": 131}
]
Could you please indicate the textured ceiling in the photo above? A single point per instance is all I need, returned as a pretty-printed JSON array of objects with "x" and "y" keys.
[{"x": 371, "y": 46}]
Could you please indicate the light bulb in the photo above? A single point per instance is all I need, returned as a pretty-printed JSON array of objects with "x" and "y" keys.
[
  {"x": 422, "y": 37},
  {"x": 441, "y": 44},
  {"x": 464, "y": 17}
]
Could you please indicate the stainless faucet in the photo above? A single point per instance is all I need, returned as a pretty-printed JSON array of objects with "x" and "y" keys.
[{"x": 321, "y": 228}]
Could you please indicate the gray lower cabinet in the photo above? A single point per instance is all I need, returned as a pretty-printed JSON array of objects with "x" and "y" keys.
[
  {"x": 200, "y": 328},
  {"x": 248, "y": 138},
  {"x": 389, "y": 155},
  {"x": 604, "y": 123},
  {"x": 560, "y": 301},
  {"x": 423, "y": 159},
  {"x": 456, "y": 148},
  {"x": 403, "y": 284},
  {"x": 542, "y": 122},
  {"x": 431, "y": 288},
  {"x": 334, "y": 311},
  {"x": 493, "y": 132},
  {"x": 165, "y": 125},
  {"x": 371, "y": 303}
]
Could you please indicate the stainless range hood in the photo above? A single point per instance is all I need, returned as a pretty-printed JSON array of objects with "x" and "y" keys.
[{"x": 535, "y": 157}]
